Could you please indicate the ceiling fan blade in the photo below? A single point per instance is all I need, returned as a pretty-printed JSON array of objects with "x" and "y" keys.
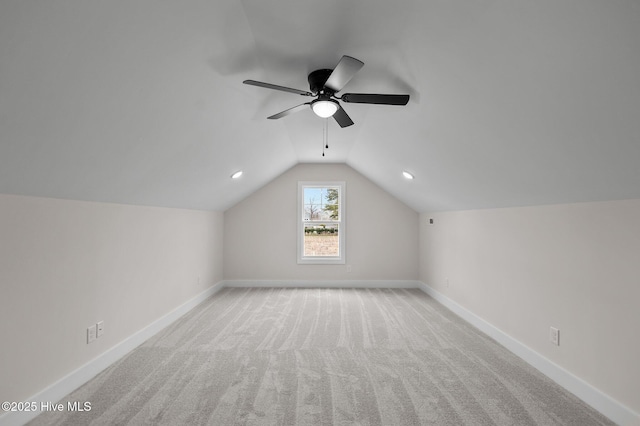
[
  {"x": 342, "y": 118},
  {"x": 276, "y": 87},
  {"x": 371, "y": 98},
  {"x": 343, "y": 72},
  {"x": 289, "y": 111}
]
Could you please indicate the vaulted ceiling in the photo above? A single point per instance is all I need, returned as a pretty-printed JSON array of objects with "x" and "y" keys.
[{"x": 513, "y": 102}]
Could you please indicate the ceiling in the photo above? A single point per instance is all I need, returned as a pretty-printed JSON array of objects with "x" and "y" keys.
[{"x": 513, "y": 102}]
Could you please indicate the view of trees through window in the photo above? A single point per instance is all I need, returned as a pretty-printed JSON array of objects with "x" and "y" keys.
[{"x": 321, "y": 221}]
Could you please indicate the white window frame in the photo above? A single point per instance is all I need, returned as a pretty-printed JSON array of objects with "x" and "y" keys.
[{"x": 322, "y": 260}]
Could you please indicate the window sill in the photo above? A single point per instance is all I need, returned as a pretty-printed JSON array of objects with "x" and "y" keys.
[{"x": 321, "y": 261}]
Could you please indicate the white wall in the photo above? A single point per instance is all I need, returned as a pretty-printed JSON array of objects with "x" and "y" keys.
[
  {"x": 260, "y": 231},
  {"x": 65, "y": 265},
  {"x": 575, "y": 267}
]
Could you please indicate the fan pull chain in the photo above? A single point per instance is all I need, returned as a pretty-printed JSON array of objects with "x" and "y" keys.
[{"x": 325, "y": 135}]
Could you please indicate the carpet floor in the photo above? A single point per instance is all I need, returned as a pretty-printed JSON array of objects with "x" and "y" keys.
[{"x": 285, "y": 356}]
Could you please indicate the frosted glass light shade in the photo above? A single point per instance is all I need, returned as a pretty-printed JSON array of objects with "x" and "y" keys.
[{"x": 324, "y": 109}]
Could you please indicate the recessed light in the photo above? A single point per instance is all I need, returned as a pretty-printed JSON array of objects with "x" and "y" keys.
[
  {"x": 407, "y": 174},
  {"x": 236, "y": 175}
]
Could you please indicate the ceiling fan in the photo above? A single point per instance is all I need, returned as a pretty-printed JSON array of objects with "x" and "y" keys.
[{"x": 324, "y": 84}]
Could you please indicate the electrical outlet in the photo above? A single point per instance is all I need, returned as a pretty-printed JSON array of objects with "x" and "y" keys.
[
  {"x": 100, "y": 329},
  {"x": 554, "y": 336},
  {"x": 91, "y": 334},
  {"x": 348, "y": 268}
]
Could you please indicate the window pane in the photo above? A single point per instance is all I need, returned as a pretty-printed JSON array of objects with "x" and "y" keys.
[
  {"x": 320, "y": 204},
  {"x": 321, "y": 240}
]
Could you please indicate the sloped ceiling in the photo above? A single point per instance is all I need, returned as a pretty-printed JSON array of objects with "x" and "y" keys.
[{"x": 142, "y": 102}]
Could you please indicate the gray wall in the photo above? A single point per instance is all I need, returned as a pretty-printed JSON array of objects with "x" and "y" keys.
[
  {"x": 65, "y": 265},
  {"x": 260, "y": 232},
  {"x": 575, "y": 267}
]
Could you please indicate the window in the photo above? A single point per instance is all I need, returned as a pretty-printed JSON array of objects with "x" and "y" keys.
[{"x": 321, "y": 222}]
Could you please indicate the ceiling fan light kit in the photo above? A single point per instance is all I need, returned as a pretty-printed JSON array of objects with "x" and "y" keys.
[
  {"x": 324, "y": 84},
  {"x": 324, "y": 108}
]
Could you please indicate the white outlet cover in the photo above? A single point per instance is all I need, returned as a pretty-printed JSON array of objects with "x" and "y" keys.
[
  {"x": 554, "y": 336},
  {"x": 100, "y": 329}
]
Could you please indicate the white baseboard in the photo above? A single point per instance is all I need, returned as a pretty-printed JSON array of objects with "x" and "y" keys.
[
  {"x": 602, "y": 402},
  {"x": 324, "y": 284},
  {"x": 77, "y": 378}
]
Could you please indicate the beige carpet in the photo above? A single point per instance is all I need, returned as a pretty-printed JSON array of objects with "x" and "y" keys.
[{"x": 321, "y": 357}]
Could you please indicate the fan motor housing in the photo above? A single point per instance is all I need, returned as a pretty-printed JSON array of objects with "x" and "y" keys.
[{"x": 317, "y": 79}]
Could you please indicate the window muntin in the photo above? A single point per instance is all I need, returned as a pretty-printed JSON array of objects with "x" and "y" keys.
[{"x": 321, "y": 222}]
